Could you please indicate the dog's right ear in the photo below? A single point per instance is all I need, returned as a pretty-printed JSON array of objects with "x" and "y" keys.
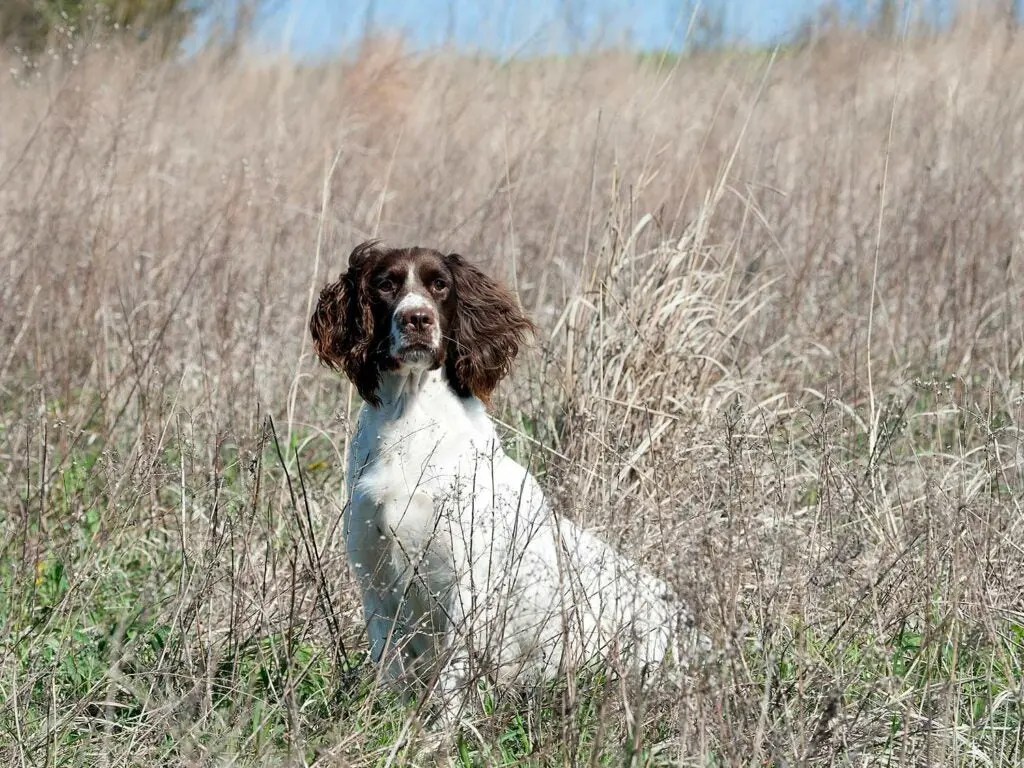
[
  {"x": 342, "y": 323},
  {"x": 334, "y": 334}
]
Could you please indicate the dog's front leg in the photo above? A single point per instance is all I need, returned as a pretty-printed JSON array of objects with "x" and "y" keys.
[
  {"x": 453, "y": 688},
  {"x": 456, "y": 677}
]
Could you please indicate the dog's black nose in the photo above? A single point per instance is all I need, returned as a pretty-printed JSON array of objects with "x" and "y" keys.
[{"x": 416, "y": 320}]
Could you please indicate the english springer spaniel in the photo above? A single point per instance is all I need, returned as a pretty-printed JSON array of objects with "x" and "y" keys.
[{"x": 463, "y": 567}]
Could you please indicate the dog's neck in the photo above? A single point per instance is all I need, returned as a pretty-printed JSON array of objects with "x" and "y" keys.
[
  {"x": 409, "y": 386},
  {"x": 414, "y": 402}
]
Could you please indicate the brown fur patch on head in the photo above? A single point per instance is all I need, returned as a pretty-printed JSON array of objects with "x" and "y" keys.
[{"x": 481, "y": 323}]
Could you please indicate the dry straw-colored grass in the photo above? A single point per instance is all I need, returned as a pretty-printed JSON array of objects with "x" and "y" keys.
[{"x": 780, "y": 359}]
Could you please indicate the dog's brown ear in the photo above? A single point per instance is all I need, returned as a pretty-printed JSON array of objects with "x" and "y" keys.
[
  {"x": 487, "y": 330},
  {"x": 334, "y": 335},
  {"x": 342, "y": 323},
  {"x": 366, "y": 253}
]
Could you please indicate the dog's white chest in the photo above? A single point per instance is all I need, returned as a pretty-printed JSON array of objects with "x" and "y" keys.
[{"x": 400, "y": 472}]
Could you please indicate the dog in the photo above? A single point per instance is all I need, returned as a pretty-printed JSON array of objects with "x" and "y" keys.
[{"x": 463, "y": 567}]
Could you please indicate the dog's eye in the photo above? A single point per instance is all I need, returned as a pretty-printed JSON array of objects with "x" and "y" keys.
[
  {"x": 439, "y": 284},
  {"x": 386, "y": 285}
]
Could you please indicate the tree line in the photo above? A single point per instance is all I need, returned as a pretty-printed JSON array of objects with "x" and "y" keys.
[{"x": 33, "y": 26}]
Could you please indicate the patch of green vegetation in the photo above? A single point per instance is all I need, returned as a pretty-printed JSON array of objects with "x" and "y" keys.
[
  {"x": 528, "y": 440},
  {"x": 915, "y": 673}
]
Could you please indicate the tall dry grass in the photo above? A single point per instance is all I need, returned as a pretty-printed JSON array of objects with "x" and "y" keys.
[{"x": 780, "y": 360}]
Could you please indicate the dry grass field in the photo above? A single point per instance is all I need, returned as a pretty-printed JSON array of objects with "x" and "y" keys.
[{"x": 780, "y": 360}]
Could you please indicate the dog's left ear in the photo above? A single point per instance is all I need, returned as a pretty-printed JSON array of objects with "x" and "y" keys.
[{"x": 486, "y": 332}]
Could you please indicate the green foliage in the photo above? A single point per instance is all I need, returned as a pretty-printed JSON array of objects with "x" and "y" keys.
[{"x": 34, "y": 25}]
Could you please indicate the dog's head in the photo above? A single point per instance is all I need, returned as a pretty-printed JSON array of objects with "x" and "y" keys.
[{"x": 400, "y": 308}]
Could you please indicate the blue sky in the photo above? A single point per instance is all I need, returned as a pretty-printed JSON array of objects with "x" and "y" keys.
[{"x": 317, "y": 27}]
